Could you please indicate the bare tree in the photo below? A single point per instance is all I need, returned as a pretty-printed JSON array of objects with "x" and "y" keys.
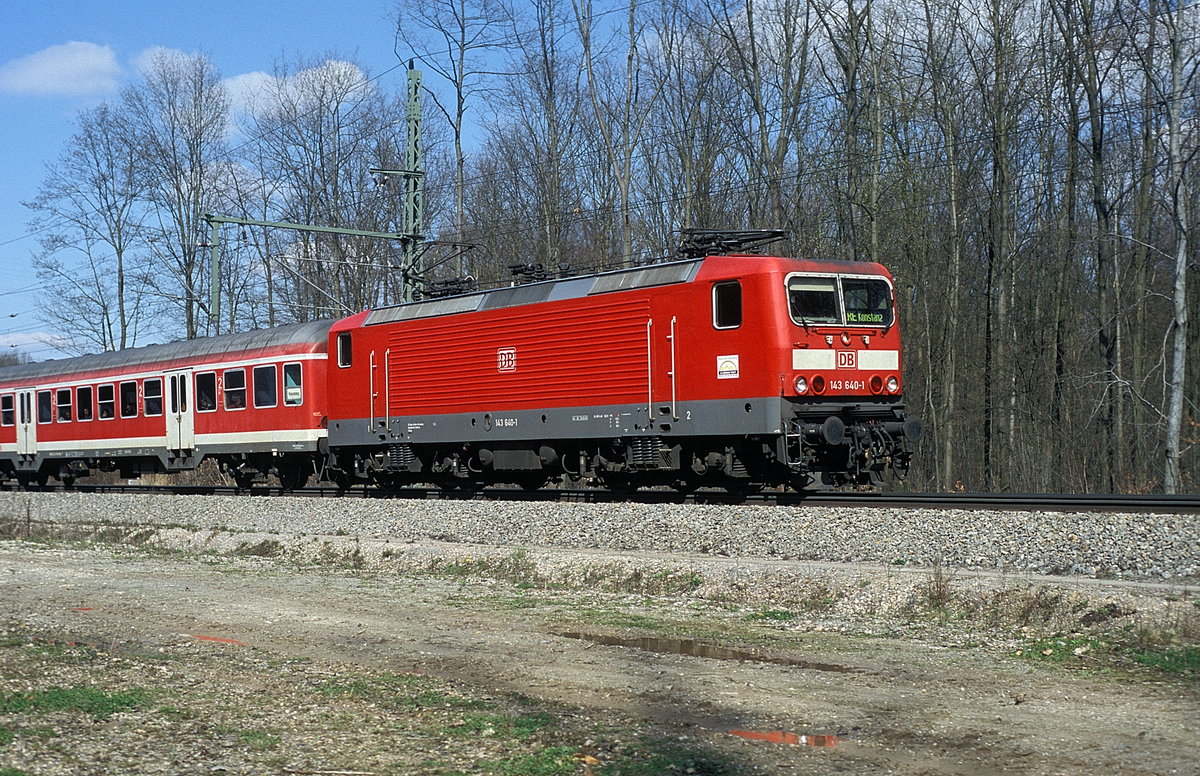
[
  {"x": 318, "y": 128},
  {"x": 90, "y": 200},
  {"x": 179, "y": 116},
  {"x": 1180, "y": 29},
  {"x": 454, "y": 39}
]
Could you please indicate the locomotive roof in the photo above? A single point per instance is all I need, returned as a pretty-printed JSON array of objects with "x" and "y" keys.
[
  {"x": 543, "y": 291},
  {"x": 313, "y": 333},
  {"x": 578, "y": 287}
]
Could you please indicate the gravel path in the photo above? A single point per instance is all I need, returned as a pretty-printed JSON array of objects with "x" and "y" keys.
[{"x": 1111, "y": 546}]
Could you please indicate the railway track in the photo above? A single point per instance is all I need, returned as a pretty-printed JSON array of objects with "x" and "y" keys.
[{"x": 1053, "y": 502}]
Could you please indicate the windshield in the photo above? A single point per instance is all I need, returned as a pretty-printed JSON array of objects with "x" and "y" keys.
[
  {"x": 814, "y": 299},
  {"x": 868, "y": 302}
]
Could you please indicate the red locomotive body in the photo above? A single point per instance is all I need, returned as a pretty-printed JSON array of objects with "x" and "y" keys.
[
  {"x": 734, "y": 370},
  {"x": 254, "y": 401}
]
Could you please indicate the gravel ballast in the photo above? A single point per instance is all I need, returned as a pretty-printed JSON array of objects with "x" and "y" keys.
[{"x": 1127, "y": 546}]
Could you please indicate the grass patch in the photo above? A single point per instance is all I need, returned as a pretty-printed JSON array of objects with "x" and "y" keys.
[
  {"x": 400, "y": 691},
  {"x": 552, "y": 761},
  {"x": 772, "y": 615},
  {"x": 619, "y": 619},
  {"x": 14, "y": 772},
  {"x": 1171, "y": 660},
  {"x": 521, "y": 727},
  {"x": 89, "y": 700},
  {"x": 1145, "y": 650},
  {"x": 6, "y": 736},
  {"x": 259, "y": 740}
]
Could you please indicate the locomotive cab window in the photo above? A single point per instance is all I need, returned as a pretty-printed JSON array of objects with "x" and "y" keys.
[
  {"x": 293, "y": 386},
  {"x": 868, "y": 302},
  {"x": 45, "y": 407},
  {"x": 265, "y": 392},
  {"x": 344, "y": 353},
  {"x": 727, "y": 305},
  {"x": 106, "y": 402},
  {"x": 206, "y": 392},
  {"x": 83, "y": 402},
  {"x": 63, "y": 400},
  {"x": 8, "y": 410},
  {"x": 813, "y": 299},
  {"x": 235, "y": 389},
  {"x": 152, "y": 397},
  {"x": 129, "y": 400}
]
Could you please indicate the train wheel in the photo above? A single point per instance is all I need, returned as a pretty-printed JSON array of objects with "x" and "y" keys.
[{"x": 293, "y": 478}]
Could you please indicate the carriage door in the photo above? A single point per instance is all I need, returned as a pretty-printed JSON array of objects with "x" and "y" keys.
[
  {"x": 26, "y": 424},
  {"x": 181, "y": 431}
]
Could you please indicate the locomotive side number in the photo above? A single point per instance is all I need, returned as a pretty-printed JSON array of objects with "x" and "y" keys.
[{"x": 847, "y": 385}]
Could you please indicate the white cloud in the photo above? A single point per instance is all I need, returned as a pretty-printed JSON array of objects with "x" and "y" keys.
[
  {"x": 247, "y": 89},
  {"x": 72, "y": 69},
  {"x": 144, "y": 61}
]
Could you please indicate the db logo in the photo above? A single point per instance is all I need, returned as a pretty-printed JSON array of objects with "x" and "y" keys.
[
  {"x": 847, "y": 359},
  {"x": 506, "y": 360}
]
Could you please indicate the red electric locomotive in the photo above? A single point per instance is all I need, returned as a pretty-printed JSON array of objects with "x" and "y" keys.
[
  {"x": 736, "y": 371},
  {"x": 254, "y": 401}
]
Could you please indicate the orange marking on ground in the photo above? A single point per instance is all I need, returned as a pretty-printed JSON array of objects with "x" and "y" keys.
[
  {"x": 219, "y": 639},
  {"x": 82, "y": 609}
]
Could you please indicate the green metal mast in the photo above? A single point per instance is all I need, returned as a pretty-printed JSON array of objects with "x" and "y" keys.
[{"x": 412, "y": 220}]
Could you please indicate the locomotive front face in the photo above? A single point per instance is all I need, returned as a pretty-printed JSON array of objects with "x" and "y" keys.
[
  {"x": 846, "y": 345},
  {"x": 845, "y": 390}
]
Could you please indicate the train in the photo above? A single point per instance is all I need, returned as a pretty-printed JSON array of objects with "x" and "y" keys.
[{"x": 734, "y": 370}]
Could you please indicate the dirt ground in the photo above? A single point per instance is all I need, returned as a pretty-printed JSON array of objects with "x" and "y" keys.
[{"x": 258, "y": 666}]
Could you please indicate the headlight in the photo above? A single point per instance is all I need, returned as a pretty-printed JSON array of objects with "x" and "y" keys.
[
  {"x": 893, "y": 384},
  {"x": 801, "y": 385}
]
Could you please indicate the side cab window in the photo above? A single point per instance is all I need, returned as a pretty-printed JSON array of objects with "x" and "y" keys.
[
  {"x": 727, "y": 305},
  {"x": 345, "y": 354}
]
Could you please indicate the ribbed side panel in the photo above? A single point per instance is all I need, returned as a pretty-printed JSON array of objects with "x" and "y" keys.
[{"x": 591, "y": 355}]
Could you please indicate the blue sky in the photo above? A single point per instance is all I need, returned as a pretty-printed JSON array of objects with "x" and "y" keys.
[{"x": 58, "y": 56}]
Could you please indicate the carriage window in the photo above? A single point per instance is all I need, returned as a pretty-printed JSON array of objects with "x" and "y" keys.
[
  {"x": 206, "y": 392},
  {"x": 344, "y": 352},
  {"x": 265, "y": 391},
  {"x": 868, "y": 302},
  {"x": 106, "y": 403},
  {"x": 235, "y": 389},
  {"x": 129, "y": 400},
  {"x": 8, "y": 410},
  {"x": 45, "y": 410},
  {"x": 83, "y": 402},
  {"x": 727, "y": 305},
  {"x": 152, "y": 397},
  {"x": 813, "y": 299},
  {"x": 293, "y": 389},
  {"x": 63, "y": 400}
]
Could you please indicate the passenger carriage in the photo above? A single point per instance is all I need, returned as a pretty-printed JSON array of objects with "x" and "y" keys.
[{"x": 254, "y": 401}]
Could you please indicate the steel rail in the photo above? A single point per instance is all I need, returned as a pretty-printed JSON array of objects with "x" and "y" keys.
[{"x": 1018, "y": 502}]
